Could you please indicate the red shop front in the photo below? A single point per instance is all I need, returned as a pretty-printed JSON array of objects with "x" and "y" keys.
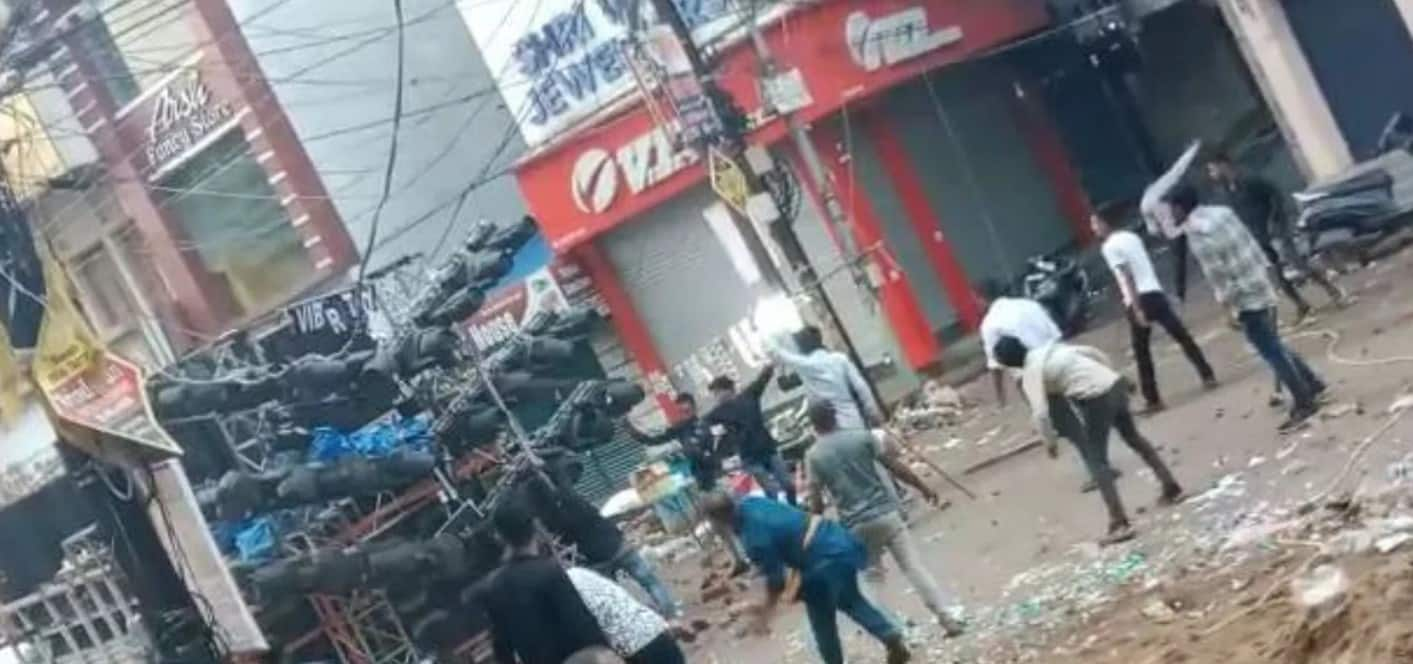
[{"x": 884, "y": 78}]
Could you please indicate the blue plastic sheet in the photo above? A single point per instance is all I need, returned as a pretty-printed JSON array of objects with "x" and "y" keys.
[
  {"x": 255, "y": 540},
  {"x": 375, "y": 440}
]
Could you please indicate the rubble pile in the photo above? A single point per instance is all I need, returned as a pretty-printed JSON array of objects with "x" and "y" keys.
[
  {"x": 1304, "y": 584},
  {"x": 936, "y": 406}
]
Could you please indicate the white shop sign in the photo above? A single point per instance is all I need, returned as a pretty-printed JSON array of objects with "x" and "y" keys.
[{"x": 557, "y": 61}]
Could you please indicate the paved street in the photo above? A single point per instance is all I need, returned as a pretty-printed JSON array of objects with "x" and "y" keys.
[{"x": 1032, "y": 517}]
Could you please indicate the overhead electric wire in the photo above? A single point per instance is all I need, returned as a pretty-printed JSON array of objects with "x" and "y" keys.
[
  {"x": 237, "y": 71},
  {"x": 392, "y": 142}
]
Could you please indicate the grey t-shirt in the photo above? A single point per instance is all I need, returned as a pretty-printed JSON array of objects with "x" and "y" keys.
[{"x": 845, "y": 463}]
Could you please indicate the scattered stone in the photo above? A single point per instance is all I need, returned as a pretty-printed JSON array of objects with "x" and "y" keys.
[
  {"x": 712, "y": 593},
  {"x": 1321, "y": 587},
  {"x": 1338, "y": 410},
  {"x": 1390, "y": 543},
  {"x": 1351, "y": 542},
  {"x": 1295, "y": 468},
  {"x": 1159, "y": 612}
]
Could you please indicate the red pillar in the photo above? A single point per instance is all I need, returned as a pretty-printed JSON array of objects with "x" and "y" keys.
[
  {"x": 900, "y": 302},
  {"x": 632, "y": 332},
  {"x": 1045, "y": 143},
  {"x": 923, "y": 217}
]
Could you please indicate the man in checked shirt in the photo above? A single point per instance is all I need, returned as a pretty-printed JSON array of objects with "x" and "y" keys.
[{"x": 1238, "y": 272}]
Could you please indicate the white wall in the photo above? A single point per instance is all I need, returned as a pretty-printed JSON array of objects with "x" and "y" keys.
[{"x": 332, "y": 67}]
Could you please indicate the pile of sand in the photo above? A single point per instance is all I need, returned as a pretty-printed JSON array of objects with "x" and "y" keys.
[{"x": 1251, "y": 617}]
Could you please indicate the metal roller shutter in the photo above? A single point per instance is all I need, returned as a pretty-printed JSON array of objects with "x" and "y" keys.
[{"x": 686, "y": 289}]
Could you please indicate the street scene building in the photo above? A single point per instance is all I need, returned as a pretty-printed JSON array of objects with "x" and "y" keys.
[{"x": 337, "y": 331}]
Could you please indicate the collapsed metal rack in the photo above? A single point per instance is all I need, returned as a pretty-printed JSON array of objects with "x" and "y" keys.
[{"x": 363, "y": 628}]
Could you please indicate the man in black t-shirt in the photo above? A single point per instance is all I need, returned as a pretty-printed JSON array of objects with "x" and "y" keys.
[
  {"x": 739, "y": 423},
  {"x": 536, "y": 614},
  {"x": 1260, "y": 205},
  {"x": 566, "y": 515},
  {"x": 697, "y": 443}
]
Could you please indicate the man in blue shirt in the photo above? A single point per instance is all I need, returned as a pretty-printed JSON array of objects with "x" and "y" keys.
[{"x": 825, "y": 555}]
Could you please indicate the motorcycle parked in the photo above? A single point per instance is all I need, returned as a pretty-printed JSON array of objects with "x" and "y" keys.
[
  {"x": 1344, "y": 220},
  {"x": 1062, "y": 286}
]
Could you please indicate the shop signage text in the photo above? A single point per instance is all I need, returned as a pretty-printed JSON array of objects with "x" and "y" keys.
[
  {"x": 888, "y": 40},
  {"x": 843, "y": 51},
  {"x": 641, "y": 163},
  {"x": 556, "y": 61},
  {"x": 184, "y": 113},
  {"x": 554, "y": 288}
]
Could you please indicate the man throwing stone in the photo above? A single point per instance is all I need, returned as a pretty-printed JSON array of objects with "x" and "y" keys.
[{"x": 1082, "y": 374}]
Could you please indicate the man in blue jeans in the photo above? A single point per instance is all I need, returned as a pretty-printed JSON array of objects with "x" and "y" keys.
[
  {"x": 828, "y": 560},
  {"x": 566, "y": 515},
  {"x": 737, "y": 420},
  {"x": 1236, "y": 267}
]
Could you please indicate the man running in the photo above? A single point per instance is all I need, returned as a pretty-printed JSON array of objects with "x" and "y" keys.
[
  {"x": 1145, "y": 302},
  {"x": 845, "y": 461},
  {"x": 1237, "y": 270},
  {"x": 827, "y": 560},
  {"x": 1260, "y": 205},
  {"x": 1018, "y": 317},
  {"x": 1082, "y": 374}
]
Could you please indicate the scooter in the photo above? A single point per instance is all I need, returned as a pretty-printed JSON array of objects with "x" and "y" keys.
[
  {"x": 1343, "y": 221},
  {"x": 1062, "y": 286},
  {"x": 1346, "y": 219}
]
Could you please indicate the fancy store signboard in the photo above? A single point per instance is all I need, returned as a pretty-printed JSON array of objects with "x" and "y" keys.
[{"x": 175, "y": 120}]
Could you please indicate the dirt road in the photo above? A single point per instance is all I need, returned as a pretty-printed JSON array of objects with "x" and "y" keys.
[{"x": 1021, "y": 559}]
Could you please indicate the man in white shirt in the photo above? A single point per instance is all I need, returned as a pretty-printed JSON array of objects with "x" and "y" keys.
[
  {"x": 829, "y": 376},
  {"x": 1018, "y": 317},
  {"x": 1029, "y": 321},
  {"x": 1082, "y": 374},
  {"x": 1145, "y": 302}
]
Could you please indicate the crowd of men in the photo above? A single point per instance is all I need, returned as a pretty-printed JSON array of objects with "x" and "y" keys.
[{"x": 1241, "y": 237}]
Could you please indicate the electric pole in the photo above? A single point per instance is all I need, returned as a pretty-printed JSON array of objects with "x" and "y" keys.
[{"x": 782, "y": 229}]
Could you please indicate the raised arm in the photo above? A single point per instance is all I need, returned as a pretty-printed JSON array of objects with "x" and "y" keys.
[
  {"x": 1155, "y": 216},
  {"x": 756, "y": 388},
  {"x": 783, "y": 354}
]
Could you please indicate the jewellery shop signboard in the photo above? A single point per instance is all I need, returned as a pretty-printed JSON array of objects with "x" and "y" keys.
[
  {"x": 175, "y": 120},
  {"x": 557, "y": 62}
]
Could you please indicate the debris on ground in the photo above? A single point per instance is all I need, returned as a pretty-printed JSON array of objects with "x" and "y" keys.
[
  {"x": 937, "y": 406},
  {"x": 1319, "y": 588}
]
